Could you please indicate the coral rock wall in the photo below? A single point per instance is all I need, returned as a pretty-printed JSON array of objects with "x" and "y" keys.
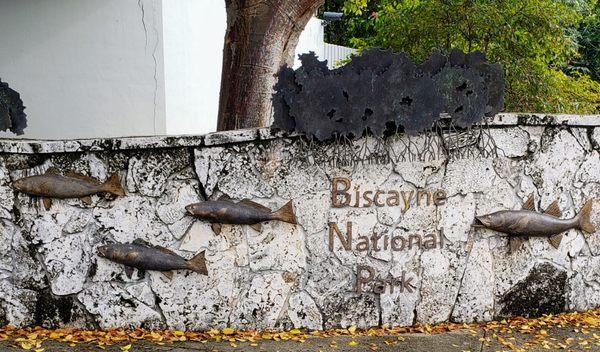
[{"x": 285, "y": 275}]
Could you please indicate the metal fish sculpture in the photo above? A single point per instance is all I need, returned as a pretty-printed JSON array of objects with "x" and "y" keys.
[
  {"x": 54, "y": 185},
  {"x": 246, "y": 212},
  {"x": 143, "y": 256},
  {"x": 519, "y": 224}
]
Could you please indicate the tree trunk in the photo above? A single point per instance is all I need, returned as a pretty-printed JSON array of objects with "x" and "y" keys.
[{"x": 261, "y": 37}]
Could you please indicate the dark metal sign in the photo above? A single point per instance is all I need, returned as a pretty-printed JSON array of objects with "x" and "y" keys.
[
  {"x": 12, "y": 115},
  {"x": 381, "y": 91}
]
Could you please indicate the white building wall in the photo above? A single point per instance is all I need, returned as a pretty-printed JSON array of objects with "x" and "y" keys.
[
  {"x": 193, "y": 47},
  {"x": 311, "y": 39},
  {"x": 85, "y": 68}
]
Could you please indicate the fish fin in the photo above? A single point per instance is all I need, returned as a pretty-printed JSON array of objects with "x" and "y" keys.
[
  {"x": 52, "y": 170},
  {"x": 76, "y": 175},
  {"x": 516, "y": 243},
  {"x": 257, "y": 227},
  {"x": 113, "y": 185},
  {"x": 87, "y": 200},
  {"x": 584, "y": 217},
  {"x": 286, "y": 214},
  {"x": 224, "y": 198},
  {"x": 529, "y": 203},
  {"x": 141, "y": 242},
  {"x": 168, "y": 274},
  {"x": 555, "y": 240},
  {"x": 166, "y": 250},
  {"x": 255, "y": 205},
  {"x": 128, "y": 271},
  {"x": 216, "y": 227},
  {"x": 198, "y": 263},
  {"x": 47, "y": 203},
  {"x": 553, "y": 210}
]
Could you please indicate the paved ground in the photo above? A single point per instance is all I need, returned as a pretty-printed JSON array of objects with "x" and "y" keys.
[{"x": 570, "y": 338}]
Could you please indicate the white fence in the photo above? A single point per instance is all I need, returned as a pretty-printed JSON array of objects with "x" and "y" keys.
[
  {"x": 313, "y": 39},
  {"x": 334, "y": 54}
]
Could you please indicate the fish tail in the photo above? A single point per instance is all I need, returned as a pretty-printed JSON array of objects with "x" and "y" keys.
[
  {"x": 585, "y": 224},
  {"x": 113, "y": 185},
  {"x": 286, "y": 213},
  {"x": 198, "y": 263}
]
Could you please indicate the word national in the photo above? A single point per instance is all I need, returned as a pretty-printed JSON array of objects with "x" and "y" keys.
[
  {"x": 378, "y": 242},
  {"x": 342, "y": 196}
]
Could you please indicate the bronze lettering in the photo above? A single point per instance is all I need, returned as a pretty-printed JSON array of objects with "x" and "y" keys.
[
  {"x": 393, "y": 283},
  {"x": 439, "y": 197},
  {"x": 366, "y": 275},
  {"x": 336, "y": 191},
  {"x": 410, "y": 240},
  {"x": 367, "y": 199},
  {"x": 376, "y": 199},
  {"x": 357, "y": 203},
  {"x": 430, "y": 241},
  {"x": 406, "y": 284},
  {"x": 363, "y": 244},
  {"x": 395, "y": 243},
  {"x": 394, "y": 200},
  {"x": 379, "y": 286},
  {"x": 407, "y": 201},
  {"x": 342, "y": 196},
  {"x": 361, "y": 280},
  {"x": 346, "y": 242},
  {"x": 420, "y": 194},
  {"x": 375, "y": 242}
]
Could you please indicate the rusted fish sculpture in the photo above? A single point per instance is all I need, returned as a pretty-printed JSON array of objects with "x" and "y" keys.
[
  {"x": 54, "y": 185},
  {"x": 143, "y": 256},
  {"x": 246, "y": 212},
  {"x": 519, "y": 224}
]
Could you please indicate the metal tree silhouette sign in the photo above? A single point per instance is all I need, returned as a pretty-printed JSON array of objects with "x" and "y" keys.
[{"x": 12, "y": 115}]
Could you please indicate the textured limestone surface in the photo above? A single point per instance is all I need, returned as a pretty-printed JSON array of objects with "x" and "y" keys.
[{"x": 288, "y": 275}]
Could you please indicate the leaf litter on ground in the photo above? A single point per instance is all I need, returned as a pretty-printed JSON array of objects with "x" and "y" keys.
[{"x": 585, "y": 325}]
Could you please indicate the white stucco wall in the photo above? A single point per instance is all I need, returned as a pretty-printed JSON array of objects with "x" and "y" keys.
[
  {"x": 85, "y": 68},
  {"x": 311, "y": 39},
  {"x": 193, "y": 47}
]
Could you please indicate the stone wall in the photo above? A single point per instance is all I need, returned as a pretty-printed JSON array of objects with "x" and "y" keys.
[{"x": 285, "y": 275}]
